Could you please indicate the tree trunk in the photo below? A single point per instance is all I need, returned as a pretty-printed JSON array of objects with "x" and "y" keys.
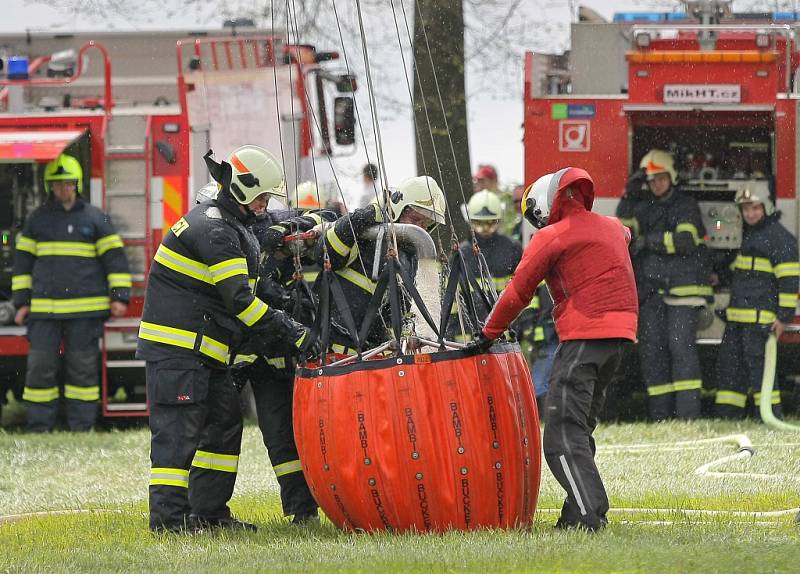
[{"x": 443, "y": 22}]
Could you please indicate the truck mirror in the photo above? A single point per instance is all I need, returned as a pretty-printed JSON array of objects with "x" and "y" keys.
[{"x": 344, "y": 120}]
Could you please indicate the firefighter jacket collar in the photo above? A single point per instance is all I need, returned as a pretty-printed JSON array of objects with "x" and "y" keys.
[
  {"x": 242, "y": 214},
  {"x": 57, "y": 206}
]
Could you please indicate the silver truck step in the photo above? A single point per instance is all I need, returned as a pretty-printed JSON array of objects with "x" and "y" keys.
[
  {"x": 125, "y": 364},
  {"x": 126, "y": 407}
]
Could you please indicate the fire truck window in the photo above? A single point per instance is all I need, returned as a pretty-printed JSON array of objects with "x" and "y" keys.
[{"x": 710, "y": 153}]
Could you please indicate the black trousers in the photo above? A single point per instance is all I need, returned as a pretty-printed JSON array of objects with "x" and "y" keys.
[
  {"x": 582, "y": 371},
  {"x": 670, "y": 364},
  {"x": 740, "y": 369},
  {"x": 196, "y": 436},
  {"x": 81, "y": 383},
  {"x": 273, "y": 389}
]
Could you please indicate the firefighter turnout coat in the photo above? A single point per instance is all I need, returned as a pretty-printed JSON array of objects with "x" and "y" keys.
[
  {"x": 358, "y": 263},
  {"x": 765, "y": 275},
  {"x": 672, "y": 260},
  {"x": 200, "y": 295},
  {"x": 69, "y": 264}
]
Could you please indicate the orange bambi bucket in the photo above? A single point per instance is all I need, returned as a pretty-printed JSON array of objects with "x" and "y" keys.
[{"x": 426, "y": 442}]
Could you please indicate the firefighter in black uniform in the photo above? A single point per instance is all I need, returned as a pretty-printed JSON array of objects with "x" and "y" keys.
[
  {"x": 70, "y": 273},
  {"x": 358, "y": 262},
  {"x": 763, "y": 300},
  {"x": 673, "y": 283},
  {"x": 198, "y": 303},
  {"x": 501, "y": 253},
  {"x": 271, "y": 374}
]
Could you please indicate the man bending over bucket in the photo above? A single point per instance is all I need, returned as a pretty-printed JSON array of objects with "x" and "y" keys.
[{"x": 583, "y": 257}]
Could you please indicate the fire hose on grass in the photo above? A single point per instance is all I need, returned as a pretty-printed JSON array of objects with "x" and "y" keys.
[{"x": 767, "y": 384}]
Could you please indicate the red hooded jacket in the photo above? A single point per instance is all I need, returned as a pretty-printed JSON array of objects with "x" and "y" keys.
[{"x": 584, "y": 259}]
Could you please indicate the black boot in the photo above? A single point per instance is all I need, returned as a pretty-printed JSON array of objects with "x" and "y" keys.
[
  {"x": 307, "y": 518},
  {"x": 229, "y": 523}
]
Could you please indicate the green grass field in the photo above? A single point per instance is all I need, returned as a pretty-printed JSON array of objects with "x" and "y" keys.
[{"x": 105, "y": 476}]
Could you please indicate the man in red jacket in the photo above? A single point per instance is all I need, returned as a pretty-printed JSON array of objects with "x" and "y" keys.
[{"x": 583, "y": 257}]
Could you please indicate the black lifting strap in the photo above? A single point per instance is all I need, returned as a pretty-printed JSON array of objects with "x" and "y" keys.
[
  {"x": 477, "y": 288},
  {"x": 322, "y": 323},
  {"x": 344, "y": 309},
  {"x": 467, "y": 287},
  {"x": 449, "y": 296},
  {"x": 482, "y": 264},
  {"x": 412, "y": 289},
  {"x": 374, "y": 306},
  {"x": 394, "y": 300}
]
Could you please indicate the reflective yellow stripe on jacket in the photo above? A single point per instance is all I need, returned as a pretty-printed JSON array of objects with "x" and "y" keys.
[
  {"x": 228, "y": 268},
  {"x": 337, "y": 244},
  {"x": 763, "y": 317},
  {"x": 65, "y": 249},
  {"x": 357, "y": 278},
  {"x": 184, "y": 339},
  {"x": 109, "y": 242},
  {"x": 26, "y": 244},
  {"x": 746, "y": 263},
  {"x": 65, "y": 306},
  {"x": 789, "y": 269},
  {"x": 182, "y": 264},
  {"x": 19, "y": 282},
  {"x": 691, "y": 229},
  {"x": 254, "y": 311},
  {"x": 119, "y": 280}
]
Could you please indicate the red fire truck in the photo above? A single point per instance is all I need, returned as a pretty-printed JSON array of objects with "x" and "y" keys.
[
  {"x": 139, "y": 110},
  {"x": 719, "y": 90}
]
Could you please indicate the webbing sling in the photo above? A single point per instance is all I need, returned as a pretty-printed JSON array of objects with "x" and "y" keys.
[
  {"x": 374, "y": 306},
  {"x": 341, "y": 304},
  {"x": 449, "y": 297},
  {"x": 394, "y": 300}
]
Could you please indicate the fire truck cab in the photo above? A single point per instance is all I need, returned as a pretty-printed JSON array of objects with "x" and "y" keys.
[
  {"x": 719, "y": 90},
  {"x": 139, "y": 110}
]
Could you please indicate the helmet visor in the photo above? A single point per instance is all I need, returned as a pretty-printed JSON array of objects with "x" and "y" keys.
[{"x": 426, "y": 218}]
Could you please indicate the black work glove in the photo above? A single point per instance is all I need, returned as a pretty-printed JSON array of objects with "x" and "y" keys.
[
  {"x": 638, "y": 245},
  {"x": 240, "y": 376},
  {"x": 634, "y": 188},
  {"x": 271, "y": 238},
  {"x": 305, "y": 344},
  {"x": 365, "y": 217},
  {"x": 480, "y": 344}
]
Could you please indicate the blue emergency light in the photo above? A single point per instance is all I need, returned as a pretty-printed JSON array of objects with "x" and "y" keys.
[
  {"x": 649, "y": 17},
  {"x": 17, "y": 68}
]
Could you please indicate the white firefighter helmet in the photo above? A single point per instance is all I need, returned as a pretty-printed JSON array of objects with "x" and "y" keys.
[
  {"x": 255, "y": 171},
  {"x": 207, "y": 193},
  {"x": 538, "y": 198},
  {"x": 307, "y": 196},
  {"x": 752, "y": 194},
  {"x": 485, "y": 206},
  {"x": 423, "y": 195},
  {"x": 659, "y": 161}
]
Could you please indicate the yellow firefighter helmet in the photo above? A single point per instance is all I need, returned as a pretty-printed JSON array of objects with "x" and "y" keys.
[{"x": 63, "y": 168}]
